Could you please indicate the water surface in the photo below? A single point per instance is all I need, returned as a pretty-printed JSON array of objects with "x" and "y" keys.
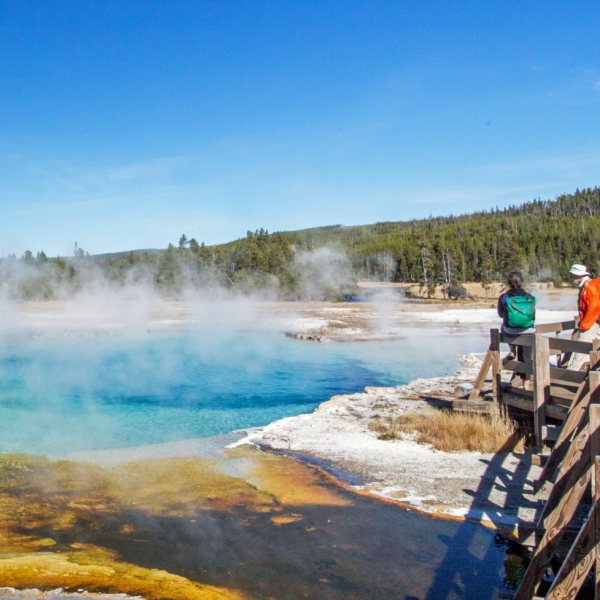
[
  {"x": 60, "y": 395},
  {"x": 239, "y": 524},
  {"x": 261, "y": 524}
]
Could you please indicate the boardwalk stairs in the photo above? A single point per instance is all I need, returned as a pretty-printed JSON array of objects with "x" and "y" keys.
[{"x": 565, "y": 406}]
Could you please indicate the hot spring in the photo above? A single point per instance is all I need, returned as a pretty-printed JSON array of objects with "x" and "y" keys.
[
  {"x": 238, "y": 524},
  {"x": 60, "y": 395}
]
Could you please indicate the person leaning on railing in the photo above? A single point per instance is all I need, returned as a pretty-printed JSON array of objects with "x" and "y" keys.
[
  {"x": 516, "y": 308},
  {"x": 588, "y": 304}
]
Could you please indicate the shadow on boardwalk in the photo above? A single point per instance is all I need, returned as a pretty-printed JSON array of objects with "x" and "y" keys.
[{"x": 457, "y": 575}]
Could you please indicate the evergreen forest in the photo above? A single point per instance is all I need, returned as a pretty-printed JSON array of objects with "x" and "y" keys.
[{"x": 542, "y": 238}]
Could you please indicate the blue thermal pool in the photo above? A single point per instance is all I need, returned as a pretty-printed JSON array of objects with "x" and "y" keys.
[
  {"x": 91, "y": 393},
  {"x": 248, "y": 521}
]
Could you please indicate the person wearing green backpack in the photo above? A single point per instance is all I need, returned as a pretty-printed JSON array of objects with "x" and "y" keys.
[{"x": 516, "y": 308}]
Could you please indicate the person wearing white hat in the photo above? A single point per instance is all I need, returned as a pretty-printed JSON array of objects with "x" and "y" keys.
[{"x": 588, "y": 304}]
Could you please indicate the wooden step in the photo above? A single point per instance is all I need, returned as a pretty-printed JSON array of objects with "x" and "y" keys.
[
  {"x": 559, "y": 391},
  {"x": 509, "y": 389},
  {"x": 525, "y": 403}
]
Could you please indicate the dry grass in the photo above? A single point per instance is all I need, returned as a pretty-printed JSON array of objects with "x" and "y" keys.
[{"x": 452, "y": 432}]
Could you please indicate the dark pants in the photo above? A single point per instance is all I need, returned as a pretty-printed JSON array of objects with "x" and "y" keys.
[{"x": 523, "y": 353}]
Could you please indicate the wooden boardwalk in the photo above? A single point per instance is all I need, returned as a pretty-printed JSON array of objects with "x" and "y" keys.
[{"x": 565, "y": 406}]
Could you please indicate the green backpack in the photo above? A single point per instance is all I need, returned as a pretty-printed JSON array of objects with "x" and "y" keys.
[{"x": 521, "y": 311}]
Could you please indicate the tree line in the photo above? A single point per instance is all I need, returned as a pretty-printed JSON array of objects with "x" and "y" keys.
[{"x": 541, "y": 238}]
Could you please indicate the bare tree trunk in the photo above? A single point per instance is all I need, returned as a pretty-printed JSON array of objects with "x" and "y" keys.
[{"x": 424, "y": 258}]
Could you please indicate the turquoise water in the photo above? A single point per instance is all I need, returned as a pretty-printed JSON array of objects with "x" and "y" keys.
[{"x": 69, "y": 394}]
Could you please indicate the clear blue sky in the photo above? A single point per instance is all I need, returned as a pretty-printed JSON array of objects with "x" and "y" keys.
[{"x": 124, "y": 124}]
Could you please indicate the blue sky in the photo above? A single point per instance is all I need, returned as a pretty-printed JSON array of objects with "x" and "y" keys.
[{"x": 125, "y": 124}]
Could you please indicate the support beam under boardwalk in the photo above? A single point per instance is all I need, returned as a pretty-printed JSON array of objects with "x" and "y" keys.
[
  {"x": 524, "y": 403},
  {"x": 475, "y": 406}
]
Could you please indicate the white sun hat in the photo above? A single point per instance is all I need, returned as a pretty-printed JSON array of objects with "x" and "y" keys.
[{"x": 579, "y": 270}]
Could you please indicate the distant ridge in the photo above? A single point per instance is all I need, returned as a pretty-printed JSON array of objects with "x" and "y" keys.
[
  {"x": 379, "y": 237},
  {"x": 117, "y": 254},
  {"x": 540, "y": 238}
]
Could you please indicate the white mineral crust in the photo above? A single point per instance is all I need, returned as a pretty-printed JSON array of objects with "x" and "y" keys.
[{"x": 461, "y": 484}]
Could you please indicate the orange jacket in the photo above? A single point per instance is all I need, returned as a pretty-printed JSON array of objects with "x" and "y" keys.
[{"x": 589, "y": 304}]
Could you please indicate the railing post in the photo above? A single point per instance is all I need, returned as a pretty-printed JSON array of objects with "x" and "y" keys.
[
  {"x": 594, "y": 437},
  {"x": 541, "y": 369},
  {"x": 595, "y": 452},
  {"x": 496, "y": 364},
  {"x": 597, "y": 526},
  {"x": 594, "y": 381}
]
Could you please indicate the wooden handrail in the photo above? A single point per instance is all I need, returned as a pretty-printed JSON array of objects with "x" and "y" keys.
[
  {"x": 573, "y": 463},
  {"x": 517, "y": 367},
  {"x": 525, "y": 339},
  {"x": 571, "y": 345},
  {"x": 557, "y": 374},
  {"x": 564, "y": 345},
  {"x": 556, "y": 327},
  {"x": 544, "y": 375}
]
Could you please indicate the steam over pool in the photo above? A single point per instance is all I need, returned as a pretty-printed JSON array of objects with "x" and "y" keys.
[
  {"x": 60, "y": 395},
  {"x": 249, "y": 521}
]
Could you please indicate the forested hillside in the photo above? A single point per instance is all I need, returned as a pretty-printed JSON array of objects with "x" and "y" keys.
[{"x": 542, "y": 238}]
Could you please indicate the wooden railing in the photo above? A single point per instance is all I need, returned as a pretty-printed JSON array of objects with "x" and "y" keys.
[
  {"x": 554, "y": 387},
  {"x": 573, "y": 465}
]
